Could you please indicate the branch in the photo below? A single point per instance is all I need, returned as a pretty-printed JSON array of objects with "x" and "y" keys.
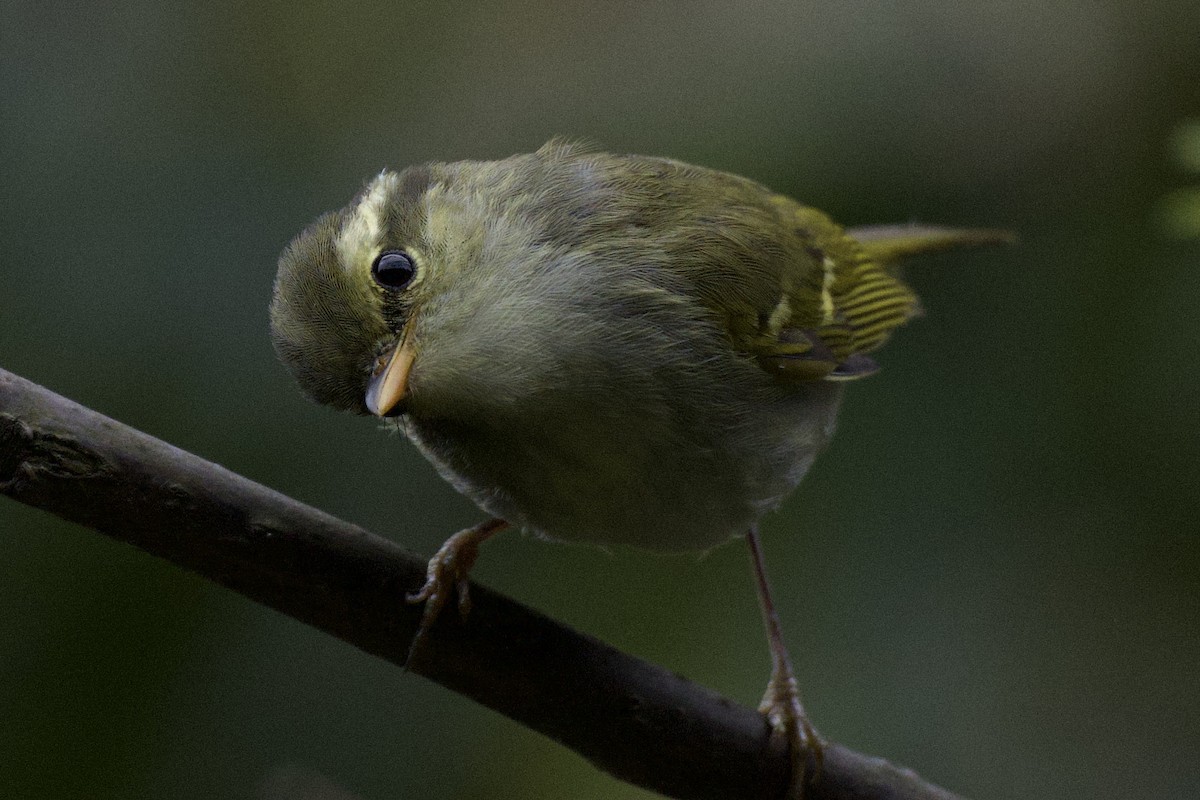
[{"x": 635, "y": 720}]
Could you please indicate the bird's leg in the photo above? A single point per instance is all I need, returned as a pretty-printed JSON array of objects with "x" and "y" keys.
[
  {"x": 781, "y": 703},
  {"x": 450, "y": 569}
]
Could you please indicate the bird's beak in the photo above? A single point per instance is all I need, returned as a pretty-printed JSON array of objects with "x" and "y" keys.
[{"x": 389, "y": 382}]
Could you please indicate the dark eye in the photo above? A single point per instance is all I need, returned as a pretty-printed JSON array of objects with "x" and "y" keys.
[{"x": 393, "y": 269}]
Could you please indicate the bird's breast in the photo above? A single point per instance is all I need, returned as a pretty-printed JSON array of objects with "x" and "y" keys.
[
  {"x": 653, "y": 475},
  {"x": 591, "y": 402}
]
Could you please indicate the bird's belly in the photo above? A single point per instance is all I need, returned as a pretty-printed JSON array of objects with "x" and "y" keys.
[{"x": 644, "y": 477}]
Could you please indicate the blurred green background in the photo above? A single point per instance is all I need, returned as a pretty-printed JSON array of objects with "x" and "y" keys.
[{"x": 993, "y": 576}]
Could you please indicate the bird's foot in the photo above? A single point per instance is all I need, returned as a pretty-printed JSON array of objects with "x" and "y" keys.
[
  {"x": 449, "y": 570},
  {"x": 783, "y": 710}
]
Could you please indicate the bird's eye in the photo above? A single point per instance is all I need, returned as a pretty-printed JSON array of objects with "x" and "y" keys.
[{"x": 393, "y": 269}]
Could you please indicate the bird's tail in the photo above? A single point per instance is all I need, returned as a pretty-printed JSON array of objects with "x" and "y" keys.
[{"x": 887, "y": 244}]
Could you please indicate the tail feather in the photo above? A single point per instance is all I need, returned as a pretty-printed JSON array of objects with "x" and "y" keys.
[{"x": 887, "y": 244}]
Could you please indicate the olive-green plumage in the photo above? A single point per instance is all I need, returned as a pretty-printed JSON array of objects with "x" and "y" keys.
[
  {"x": 601, "y": 348},
  {"x": 598, "y": 347}
]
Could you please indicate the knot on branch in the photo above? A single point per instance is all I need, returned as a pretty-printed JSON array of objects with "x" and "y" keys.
[{"x": 27, "y": 454}]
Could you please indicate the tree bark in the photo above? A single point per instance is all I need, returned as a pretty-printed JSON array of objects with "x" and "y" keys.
[{"x": 635, "y": 720}]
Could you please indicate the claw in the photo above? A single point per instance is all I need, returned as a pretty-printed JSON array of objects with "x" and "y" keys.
[
  {"x": 449, "y": 569},
  {"x": 781, "y": 703},
  {"x": 783, "y": 710}
]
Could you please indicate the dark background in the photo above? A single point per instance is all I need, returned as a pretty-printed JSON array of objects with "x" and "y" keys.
[{"x": 992, "y": 576}]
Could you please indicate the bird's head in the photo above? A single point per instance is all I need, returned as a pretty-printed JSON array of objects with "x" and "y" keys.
[{"x": 349, "y": 291}]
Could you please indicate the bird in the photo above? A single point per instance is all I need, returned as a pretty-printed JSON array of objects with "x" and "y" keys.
[{"x": 601, "y": 348}]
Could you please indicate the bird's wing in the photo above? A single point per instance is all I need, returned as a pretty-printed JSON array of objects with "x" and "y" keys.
[{"x": 843, "y": 303}]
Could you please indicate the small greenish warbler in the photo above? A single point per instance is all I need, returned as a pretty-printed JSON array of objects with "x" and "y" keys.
[{"x": 601, "y": 348}]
